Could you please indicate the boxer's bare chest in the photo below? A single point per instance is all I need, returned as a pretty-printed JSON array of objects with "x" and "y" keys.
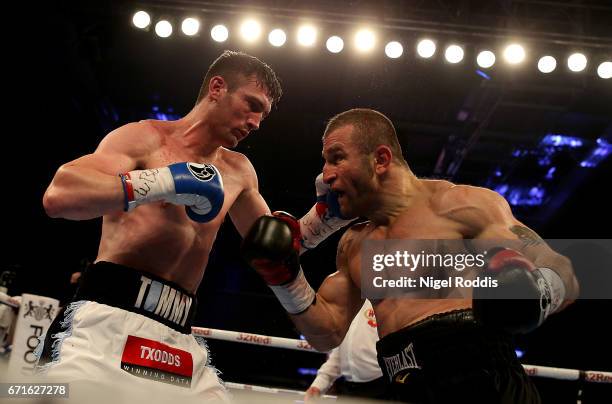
[
  {"x": 418, "y": 223},
  {"x": 233, "y": 179},
  {"x": 160, "y": 237}
]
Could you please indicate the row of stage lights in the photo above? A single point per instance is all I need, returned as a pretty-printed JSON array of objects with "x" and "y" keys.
[{"x": 365, "y": 41}]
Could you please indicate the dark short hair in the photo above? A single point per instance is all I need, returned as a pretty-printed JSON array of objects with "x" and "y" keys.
[
  {"x": 370, "y": 130},
  {"x": 234, "y": 67}
]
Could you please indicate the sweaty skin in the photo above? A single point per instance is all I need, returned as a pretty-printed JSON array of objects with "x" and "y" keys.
[
  {"x": 401, "y": 206},
  {"x": 159, "y": 238}
]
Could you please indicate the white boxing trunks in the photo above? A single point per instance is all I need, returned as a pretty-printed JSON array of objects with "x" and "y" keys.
[{"x": 130, "y": 332}]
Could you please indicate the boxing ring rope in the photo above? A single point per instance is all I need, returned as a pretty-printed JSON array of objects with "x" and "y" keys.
[
  {"x": 9, "y": 300},
  {"x": 593, "y": 376}
]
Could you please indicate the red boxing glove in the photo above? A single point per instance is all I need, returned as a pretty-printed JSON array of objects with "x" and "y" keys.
[{"x": 525, "y": 295}]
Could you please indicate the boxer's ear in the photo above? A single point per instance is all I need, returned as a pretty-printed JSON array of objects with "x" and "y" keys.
[
  {"x": 216, "y": 87},
  {"x": 382, "y": 159}
]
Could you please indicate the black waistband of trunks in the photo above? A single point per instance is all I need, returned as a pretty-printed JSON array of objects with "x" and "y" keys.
[
  {"x": 452, "y": 334},
  {"x": 139, "y": 292}
]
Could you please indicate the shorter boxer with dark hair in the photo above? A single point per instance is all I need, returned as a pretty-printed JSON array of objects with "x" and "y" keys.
[{"x": 431, "y": 350}]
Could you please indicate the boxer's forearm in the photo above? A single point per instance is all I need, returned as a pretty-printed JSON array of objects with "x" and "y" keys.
[
  {"x": 539, "y": 252},
  {"x": 320, "y": 326},
  {"x": 81, "y": 193}
]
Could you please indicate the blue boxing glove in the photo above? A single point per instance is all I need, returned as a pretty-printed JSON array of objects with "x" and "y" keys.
[{"x": 197, "y": 186}]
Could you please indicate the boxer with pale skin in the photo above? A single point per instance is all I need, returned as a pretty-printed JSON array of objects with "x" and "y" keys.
[
  {"x": 439, "y": 349},
  {"x": 163, "y": 190}
]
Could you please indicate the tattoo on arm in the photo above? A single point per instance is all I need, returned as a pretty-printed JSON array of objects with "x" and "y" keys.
[
  {"x": 344, "y": 243},
  {"x": 527, "y": 236}
]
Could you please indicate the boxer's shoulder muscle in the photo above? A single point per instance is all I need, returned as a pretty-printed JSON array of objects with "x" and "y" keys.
[
  {"x": 473, "y": 207},
  {"x": 137, "y": 140},
  {"x": 351, "y": 240},
  {"x": 236, "y": 160}
]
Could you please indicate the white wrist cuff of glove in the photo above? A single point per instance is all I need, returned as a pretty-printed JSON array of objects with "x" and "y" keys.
[
  {"x": 315, "y": 228},
  {"x": 295, "y": 296},
  {"x": 553, "y": 292},
  {"x": 150, "y": 185}
]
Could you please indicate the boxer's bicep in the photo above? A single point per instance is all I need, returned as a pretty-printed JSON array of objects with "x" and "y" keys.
[
  {"x": 498, "y": 223},
  {"x": 338, "y": 291},
  {"x": 122, "y": 150},
  {"x": 327, "y": 320},
  {"x": 89, "y": 186},
  {"x": 342, "y": 300},
  {"x": 128, "y": 147},
  {"x": 249, "y": 204}
]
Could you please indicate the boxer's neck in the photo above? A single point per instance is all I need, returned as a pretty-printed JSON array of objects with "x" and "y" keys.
[
  {"x": 397, "y": 191},
  {"x": 196, "y": 133}
]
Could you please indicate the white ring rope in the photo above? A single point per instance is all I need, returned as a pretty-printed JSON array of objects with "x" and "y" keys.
[
  {"x": 255, "y": 339},
  {"x": 271, "y": 390},
  {"x": 594, "y": 376},
  {"x": 9, "y": 300}
]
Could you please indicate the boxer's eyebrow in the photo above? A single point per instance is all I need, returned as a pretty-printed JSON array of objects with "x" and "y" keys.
[
  {"x": 258, "y": 105},
  {"x": 331, "y": 150}
]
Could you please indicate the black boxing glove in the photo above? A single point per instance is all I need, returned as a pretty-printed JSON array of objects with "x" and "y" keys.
[
  {"x": 524, "y": 297},
  {"x": 271, "y": 247}
]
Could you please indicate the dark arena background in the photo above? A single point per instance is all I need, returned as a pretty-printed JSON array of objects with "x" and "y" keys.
[{"x": 76, "y": 70}]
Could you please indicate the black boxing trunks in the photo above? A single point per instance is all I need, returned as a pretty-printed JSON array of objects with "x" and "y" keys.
[
  {"x": 128, "y": 289},
  {"x": 449, "y": 358}
]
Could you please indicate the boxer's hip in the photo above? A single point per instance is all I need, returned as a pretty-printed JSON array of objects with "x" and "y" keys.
[
  {"x": 451, "y": 356},
  {"x": 139, "y": 292},
  {"x": 123, "y": 323}
]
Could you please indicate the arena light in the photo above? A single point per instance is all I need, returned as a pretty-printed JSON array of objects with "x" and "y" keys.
[
  {"x": 141, "y": 19},
  {"x": 426, "y": 48},
  {"x": 547, "y": 64},
  {"x": 306, "y": 35},
  {"x": 365, "y": 40},
  {"x": 514, "y": 54},
  {"x": 604, "y": 70},
  {"x": 485, "y": 59},
  {"x": 454, "y": 54},
  {"x": 219, "y": 33},
  {"x": 577, "y": 62},
  {"x": 163, "y": 28},
  {"x": 190, "y": 26},
  {"x": 334, "y": 44},
  {"x": 394, "y": 49},
  {"x": 277, "y": 37},
  {"x": 250, "y": 30}
]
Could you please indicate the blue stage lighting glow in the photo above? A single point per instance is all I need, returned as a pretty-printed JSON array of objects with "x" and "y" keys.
[
  {"x": 598, "y": 154},
  {"x": 307, "y": 371},
  {"x": 483, "y": 74},
  {"x": 558, "y": 140},
  {"x": 522, "y": 195}
]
